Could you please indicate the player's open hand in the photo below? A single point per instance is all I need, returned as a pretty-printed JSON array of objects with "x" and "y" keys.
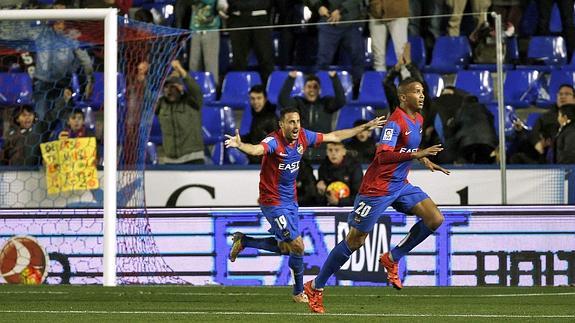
[
  {"x": 233, "y": 141},
  {"x": 433, "y": 166},
  {"x": 376, "y": 123}
]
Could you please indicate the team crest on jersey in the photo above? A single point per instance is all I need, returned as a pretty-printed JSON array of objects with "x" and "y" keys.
[
  {"x": 300, "y": 149},
  {"x": 387, "y": 134}
]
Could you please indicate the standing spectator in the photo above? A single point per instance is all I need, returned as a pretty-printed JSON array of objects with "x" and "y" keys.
[
  {"x": 566, "y": 12},
  {"x": 362, "y": 146},
  {"x": 394, "y": 14},
  {"x": 180, "y": 116},
  {"x": 546, "y": 127},
  {"x": 297, "y": 45},
  {"x": 17, "y": 151},
  {"x": 428, "y": 28},
  {"x": 338, "y": 167},
  {"x": 511, "y": 12},
  {"x": 316, "y": 112},
  {"x": 264, "y": 119},
  {"x": 204, "y": 23},
  {"x": 334, "y": 34},
  {"x": 565, "y": 140},
  {"x": 246, "y": 14},
  {"x": 456, "y": 8}
]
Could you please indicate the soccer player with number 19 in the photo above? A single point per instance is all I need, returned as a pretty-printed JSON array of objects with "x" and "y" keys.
[
  {"x": 384, "y": 184},
  {"x": 282, "y": 152}
]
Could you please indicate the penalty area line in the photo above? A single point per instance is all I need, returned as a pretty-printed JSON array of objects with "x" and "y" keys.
[{"x": 464, "y": 315}]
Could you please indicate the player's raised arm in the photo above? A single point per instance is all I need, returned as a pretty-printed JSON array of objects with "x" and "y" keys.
[
  {"x": 339, "y": 135},
  {"x": 236, "y": 142}
]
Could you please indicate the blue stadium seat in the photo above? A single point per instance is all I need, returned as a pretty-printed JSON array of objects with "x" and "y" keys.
[
  {"x": 236, "y": 87},
  {"x": 418, "y": 55},
  {"x": 155, "y": 132},
  {"x": 216, "y": 122},
  {"x": 550, "y": 50},
  {"x": 555, "y": 25},
  {"x": 520, "y": 87},
  {"x": 532, "y": 119},
  {"x": 570, "y": 66},
  {"x": 434, "y": 83},
  {"x": 246, "y": 121},
  {"x": 450, "y": 54},
  {"x": 96, "y": 99},
  {"x": 478, "y": 83},
  {"x": 556, "y": 79},
  {"x": 207, "y": 84},
  {"x": 350, "y": 113},
  {"x": 229, "y": 156},
  {"x": 509, "y": 117},
  {"x": 276, "y": 81},
  {"x": 15, "y": 89},
  {"x": 371, "y": 90},
  {"x": 151, "y": 154},
  {"x": 327, "y": 87}
]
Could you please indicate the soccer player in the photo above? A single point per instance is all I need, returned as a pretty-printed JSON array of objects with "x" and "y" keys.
[
  {"x": 282, "y": 151},
  {"x": 384, "y": 184}
]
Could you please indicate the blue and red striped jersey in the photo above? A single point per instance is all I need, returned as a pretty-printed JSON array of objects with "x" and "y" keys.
[
  {"x": 388, "y": 171},
  {"x": 280, "y": 165}
]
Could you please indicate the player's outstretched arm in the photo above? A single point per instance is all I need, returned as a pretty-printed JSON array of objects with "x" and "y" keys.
[
  {"x": 236, "y": 142},
  {"x": 433, "y": 166},
  {"x": 339, "y": 135}
]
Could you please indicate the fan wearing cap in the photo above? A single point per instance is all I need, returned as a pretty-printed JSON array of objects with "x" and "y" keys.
[{"x": 180, "y": 116}]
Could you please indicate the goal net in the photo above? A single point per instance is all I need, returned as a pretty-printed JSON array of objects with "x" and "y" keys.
[{"x": 52, "y": 104}]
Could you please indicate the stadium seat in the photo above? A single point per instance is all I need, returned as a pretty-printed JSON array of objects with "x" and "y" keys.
[
  {"x": 555, "y": 25},
  {"x": 216, "y": 122},
  {"x": 532, "y": 119},
  {"x": 207, "y": 84},
  {"x": 418, "y": 55},
  {"x": 350, "y": 113},
  {"x": 327, "y": 87},
  {"x": 508, "y": 121},
  {"x": 549, "y": 50},
  {"x": 246, "y": 121},
  {"x": 155, "y": 132},
  {"x": 434, "y": 83},
  {"x": 371, "y": 90},
  {"x": 450, "y": 54},
  {"x": 520, "y": 87},
  {"x": 236, "y": 87},
  {"x": 478, "y": 83},
  {"x": 276, "y": 81},
  {"x": 570, "y": 66},
  {"x": 151, "y": 154},
  {"x": 228, "y": 156},
  {"x": 556, "y": 79},
  {"x": 96, "y": 99},
  {"x": 15, "y": 89}
]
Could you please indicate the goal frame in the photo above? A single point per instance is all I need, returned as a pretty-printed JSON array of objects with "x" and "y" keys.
[{"x": 110, "y": 18}]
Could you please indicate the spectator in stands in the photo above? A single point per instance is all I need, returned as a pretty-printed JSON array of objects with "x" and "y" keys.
[
  {"x": 316, "y": 112},
  {"x": 519, "y": 148},
  {"x": 144, "y": 15},
  {"x": 17, "y": 150},
  {"x": 511, "y": 12},
  {"x": 297, "y": 45},
  {"x": 179, "y": 113},
  {"x": 246, "y": 14},
  {"x": 75, "y": 126},
  {"x": 565, "y": 141},
  {"x": 137, "y": 98},
  {"x": 347, "y": 36},
  {"x": 337, "y": 166},
  {"x": 264, "y": 119},
  {"x": 428, "y": 28},
  {"x": 306, "y": 185},
  {"x": 456, "y": 8},
  {"x": 484, "y": 44},
  {"x": 204, "y": 23},
  {"x": 123, "y": 5},
  {"x": 566, "y": 13},
  {"x": 362, "y": 146},
  {"x": 393, "y": 13},
  {"x": 546, "y": 127}
]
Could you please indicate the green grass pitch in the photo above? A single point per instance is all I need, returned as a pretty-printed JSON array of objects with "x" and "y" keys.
[{"x": 274, "y": 304}]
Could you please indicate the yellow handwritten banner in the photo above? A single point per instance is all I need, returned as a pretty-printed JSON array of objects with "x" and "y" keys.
[{"x": 70, "y": 164}]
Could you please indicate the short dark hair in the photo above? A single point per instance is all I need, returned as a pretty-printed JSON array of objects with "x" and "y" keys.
[
  {"x": 568, "y": 110},
  {"x": 259, "y": 88},
  {"x": 568, "y": 86},
  {"x": 405, "y": 83},
  {"x": 144, "y": 15},
  {"x": 75, "y": 111},
  {"x": 22, "y": 108},
  {"x": 312, "y": 77},
  {"x": 287, "y": 110}
]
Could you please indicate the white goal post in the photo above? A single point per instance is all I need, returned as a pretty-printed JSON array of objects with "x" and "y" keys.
[{"x": 110, "y": 18}]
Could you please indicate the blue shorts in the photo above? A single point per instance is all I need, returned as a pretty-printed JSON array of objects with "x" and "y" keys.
[
  {"x": 284, "y": 220},
  {"x": 367, "y": 209}
]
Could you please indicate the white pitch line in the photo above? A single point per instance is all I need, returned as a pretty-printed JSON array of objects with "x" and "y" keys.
[{"x": 288, "y": 313}]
